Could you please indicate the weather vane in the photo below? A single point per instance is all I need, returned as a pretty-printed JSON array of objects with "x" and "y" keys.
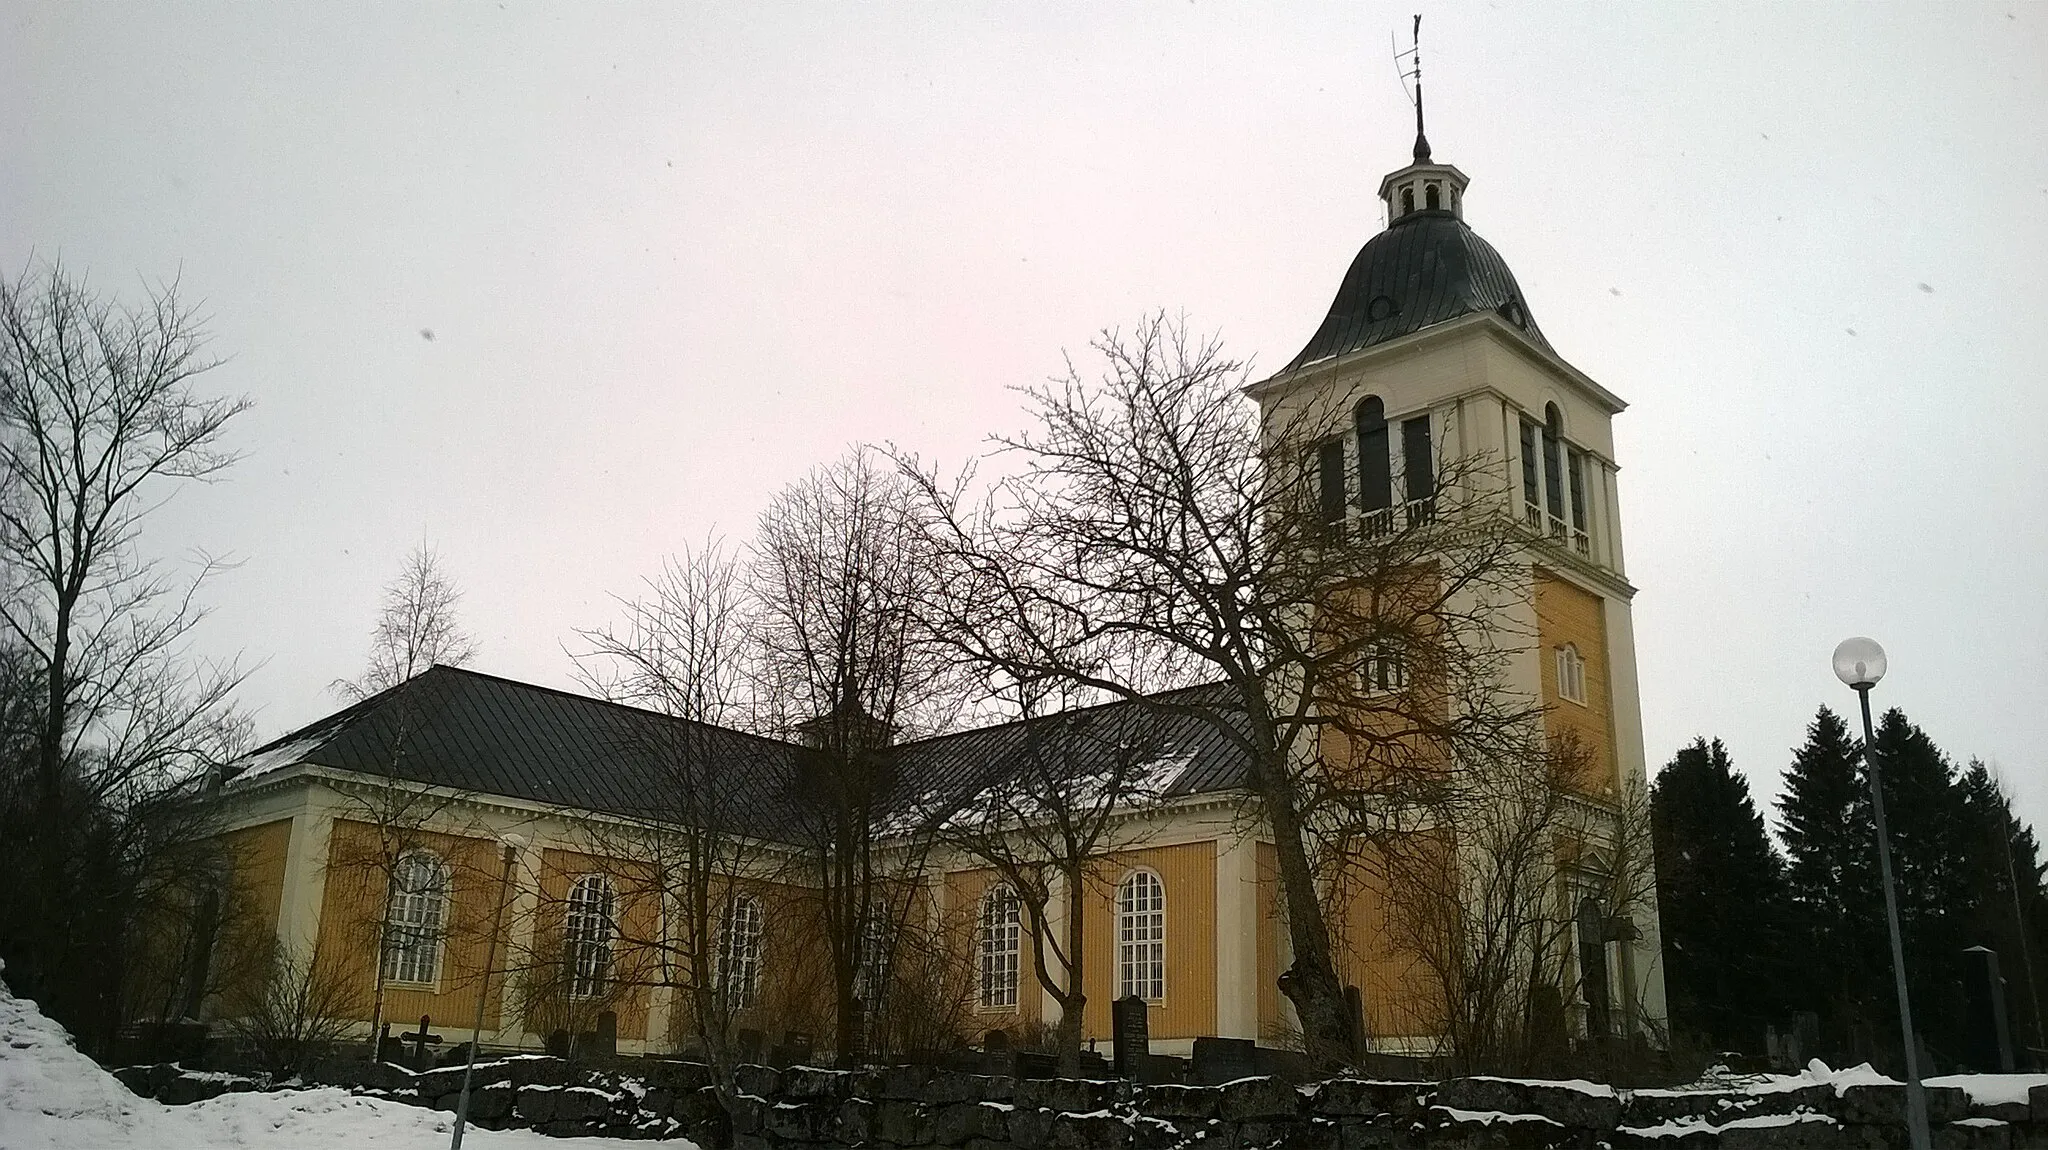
[{"x": 1408, "y": 66}]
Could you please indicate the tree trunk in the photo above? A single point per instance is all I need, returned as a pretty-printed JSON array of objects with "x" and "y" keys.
[{"x": 1311, "y": 983}]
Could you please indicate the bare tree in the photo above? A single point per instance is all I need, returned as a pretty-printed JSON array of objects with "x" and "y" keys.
[
  {"x": 295, "y": 1012},
  {"x": 1042, "y": 815},
  {"x": 1155, "y": 534},
  {"x": 681, "y": 654},
  {"x": 101, "y": 419},
  {"x": 840, "y": 565},
  {"x": 417, "y": 627}
]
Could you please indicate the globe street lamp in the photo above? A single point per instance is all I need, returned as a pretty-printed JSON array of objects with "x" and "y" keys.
[{"x": 1860, "y": 664}]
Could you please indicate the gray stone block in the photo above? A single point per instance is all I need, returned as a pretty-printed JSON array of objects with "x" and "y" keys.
[
  {"x": 1564, "y": 1105},
  {"x": 855, "y": 1121},
  {"x": 901, "y": 1121},
  {"x": 1353, "y": 1097},
  {"x": 808, "y": 1082},
  {"x": 795, "y": 1121},
  {"x": 1063, "y": 1095},
  {"x": 759, "y": 1081},
  {"x": 1179, "y": 1101},
  {"x": 1258, "y": 1098},
  {"x": 960, "y": 1122},
  {"x": 1088, "y": 1132},
  {"x": 1885, "y": 1105},
  {"x": 537, "y": 1104},
  {"x": 1031, "y": 1129}
]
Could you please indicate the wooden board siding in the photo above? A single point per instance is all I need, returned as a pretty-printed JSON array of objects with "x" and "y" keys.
[
  {"x": 1379, "y": 941},
  {"x": 634, "y": 960},
  {"x": 964, "y": 892},
  {"x": 257, "y": 856},
  {"x": 1188, "y": 872},
  {"x": 1273, "y": 1027},
  {"x": 352, "y": 910},
  {"x": 1566, "y": 613}
]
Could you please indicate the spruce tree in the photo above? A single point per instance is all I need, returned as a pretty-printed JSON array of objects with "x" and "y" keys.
[
  {"x": 1933, "y": 868},
  {"x": 1721, "y": 899},
  {"x": 1831, "y": 877},
  {"x": 2012, "y": 909}
]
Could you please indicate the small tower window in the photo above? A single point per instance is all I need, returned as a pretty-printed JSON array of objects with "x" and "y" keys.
[
  {"x": 1416, "y": 467},
  {"x": 1330, "y": 481},
  {"x": 1431, "y": 197},
  {"x": 1553, "y": 465},
  {"x": 1571, "y": 675},
  {"x": 1407, "y": 200}
]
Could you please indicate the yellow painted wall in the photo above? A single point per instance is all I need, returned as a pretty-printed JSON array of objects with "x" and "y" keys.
[
  {"x": 1380, "y": 943},
  {"x": 964, "y": 892},
  {"x": 353, "y": 906},
  {"x": 1566, "y": 613},
  {"x": 635, "y": 956},
  {"x": 1188, "y": 872},
  {"x": 257, "y": 855},
  {"x": 1272, "y": 929}
]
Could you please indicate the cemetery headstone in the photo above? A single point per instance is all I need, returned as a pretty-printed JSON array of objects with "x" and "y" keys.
[
  {"x": 1220, "y": 1060},
  {"x": 1132, "y": 1034},
  {"x": 1987, "y": 1035},
  {"x": 607, "y": 1044},
  {"x": 421, "y": 1039}
]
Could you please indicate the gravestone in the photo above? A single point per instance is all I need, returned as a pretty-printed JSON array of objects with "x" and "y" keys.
[
  {"x": 607, "y": 1044},
  {"x": 421, "y": 1039},
  {"x": 1032, "y": 1064},
  {"x": 1220, "y": 1060},
  {"x": 793, "y": 1050},
  {"x": 995, "y": 1042},
  {"x": 1131, "y": 1031},
  {"x": 746, "y": 1046},
  {"x": 557, "y": 1044},
  {"x": 1987, "y": 1036}
]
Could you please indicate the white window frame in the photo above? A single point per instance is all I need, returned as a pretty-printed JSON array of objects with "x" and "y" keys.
[
  {"x": 871, "y": 974},
  {"x": 1536, "y": 516},
  {"x": 1571, "y": 674},
  {"x": 1002, "y": 947},
  {"x": 739, "y": 953},
  {"x": 1141, "y": 936},
  {"x": 588, "y": 933},
  {"x": 416, "y": 919}
]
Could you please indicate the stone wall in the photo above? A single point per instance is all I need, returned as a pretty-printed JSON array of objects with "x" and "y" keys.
[{"x": 912, "y": 1108}]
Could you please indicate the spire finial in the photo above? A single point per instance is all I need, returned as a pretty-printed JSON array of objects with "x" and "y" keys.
[{"x": 1415, "y": 70}]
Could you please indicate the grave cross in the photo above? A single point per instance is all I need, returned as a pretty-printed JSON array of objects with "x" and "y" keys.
[{"x": 420, "y": 1040}]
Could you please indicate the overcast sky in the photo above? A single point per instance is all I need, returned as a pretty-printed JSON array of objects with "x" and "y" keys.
[{"x": 562, "y": 288}]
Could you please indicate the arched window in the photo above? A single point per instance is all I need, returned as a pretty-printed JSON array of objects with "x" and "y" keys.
[
  {"x": 1375, "y": 466},
  {"x": 590, "y": 930},
  {"x": 1431, "y": 198},
  {"x": 1001, "y": 939},
  {"x": 1407, "y": 200},
  {"x": 1141, "y": 936},
  {"x": 416, "y": 918},
  {"x": 1571, "y": 674},
  {"x": 739, "y": 953}
]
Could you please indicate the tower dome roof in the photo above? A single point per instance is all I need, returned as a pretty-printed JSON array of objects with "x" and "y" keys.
[{"x": 1426, "y": 268}]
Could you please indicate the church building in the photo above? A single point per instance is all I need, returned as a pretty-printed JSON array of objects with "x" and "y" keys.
[{"x": 1431, "y": 351}]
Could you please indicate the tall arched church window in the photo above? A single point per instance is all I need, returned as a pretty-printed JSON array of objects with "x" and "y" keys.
[
  {"x": 1141, "y": 936},
  {"x": 1418, "y": 469},
  {"x": 416, "y": 919},
  {"x": 739, "y": 953},
  {"x": 590, "y": 929},
  {"x": 871, "y": 975},
  {"x": 1001, "y": 945},
  {"x": 1553, "y": 467},
  {"x": 1375, "y": 465}
]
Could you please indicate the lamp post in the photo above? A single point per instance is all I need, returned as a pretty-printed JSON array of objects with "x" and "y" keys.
[
  {"x": 512, "y": 843},
  {"x": 1860, "y": 664}
]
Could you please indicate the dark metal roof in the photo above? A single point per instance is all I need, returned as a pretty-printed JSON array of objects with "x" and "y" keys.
[
  {"x": 1426, "y": 269},
  {"x": 474, "y": 732}
]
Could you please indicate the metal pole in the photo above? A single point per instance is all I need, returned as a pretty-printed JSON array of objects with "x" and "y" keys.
[
  {"x": 1916, "y": 1097},
  {"x": 483, "y": 993}
]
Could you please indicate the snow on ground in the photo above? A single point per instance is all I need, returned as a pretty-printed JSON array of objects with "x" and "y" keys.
[
  {"x": 1992, "y": 1089},
  {"x": 54, "y": 1098}
]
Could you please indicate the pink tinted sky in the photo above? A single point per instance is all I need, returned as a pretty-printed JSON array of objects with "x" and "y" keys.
[{"x": 671, "y": 256}]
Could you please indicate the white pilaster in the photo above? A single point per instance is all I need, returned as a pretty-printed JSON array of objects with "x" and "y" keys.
[
  {"x": 305, "y": 880},
  {"x": 1237, "y": 937}
]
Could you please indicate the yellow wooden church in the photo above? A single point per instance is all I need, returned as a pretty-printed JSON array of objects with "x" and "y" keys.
[{"x": 1429, "y": 346}]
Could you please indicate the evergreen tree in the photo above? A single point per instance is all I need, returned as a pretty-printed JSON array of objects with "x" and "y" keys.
[
  {"x": 1721, "y": 898},
  {"x": 1932, "y": 867},
  {"x": 1831, "y": 876},
  {"x": 2011, "y": 911}
]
